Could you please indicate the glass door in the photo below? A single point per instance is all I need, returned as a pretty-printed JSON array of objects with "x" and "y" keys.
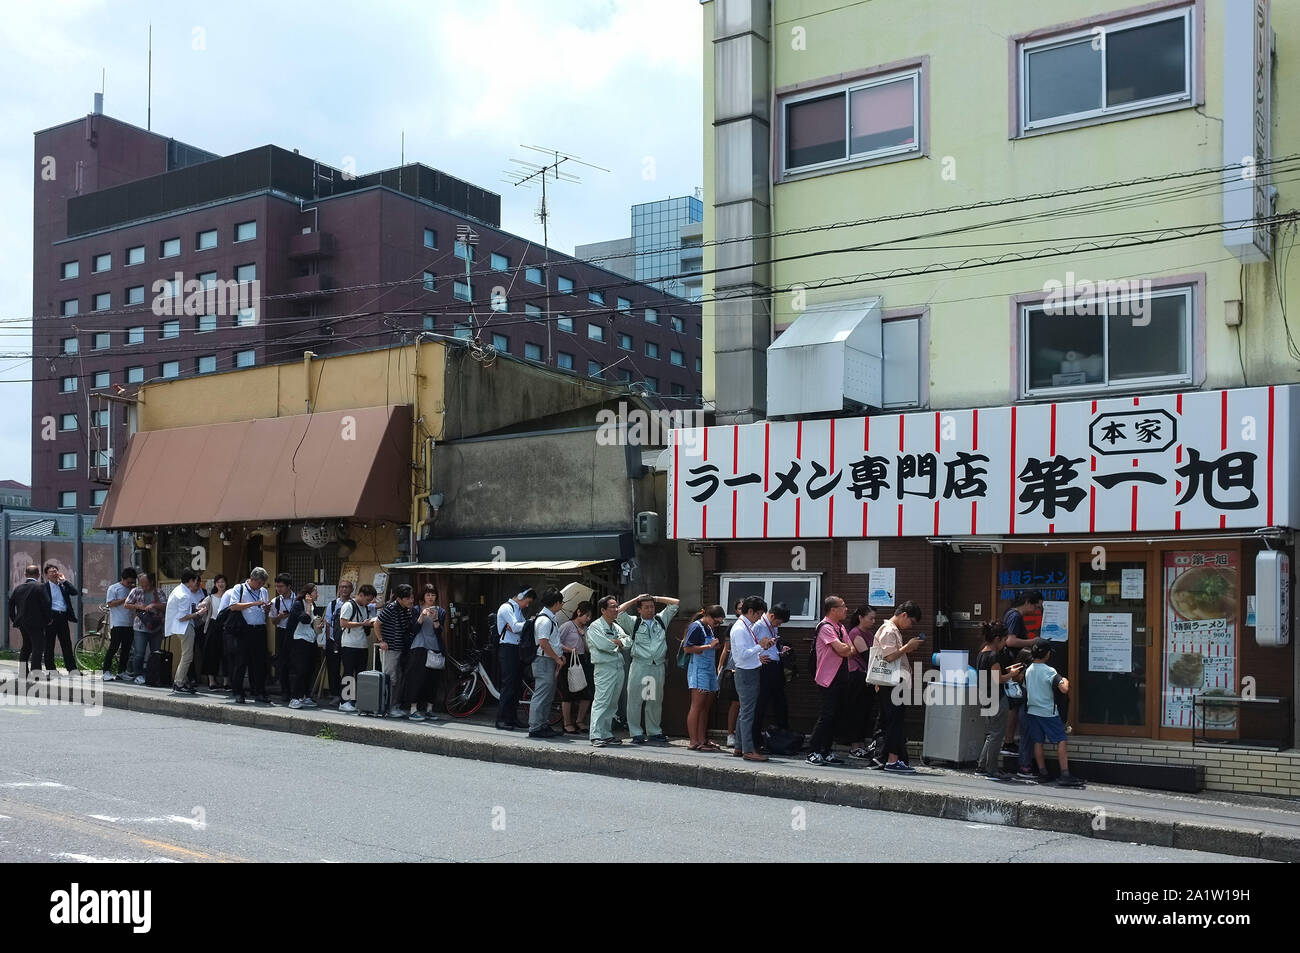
[{"x": 1110, "y": 686}]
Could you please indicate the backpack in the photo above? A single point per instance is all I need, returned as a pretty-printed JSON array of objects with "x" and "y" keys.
[
  {"x": 528, "y": 641},
  {"x": 234, "y": 622},
  {"x": 783, "y": 742}
]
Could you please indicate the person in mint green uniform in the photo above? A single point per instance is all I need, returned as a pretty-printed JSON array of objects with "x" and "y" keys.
[
  {"x": 645, "y": 676},
  {"x": 605, "y": 641}
]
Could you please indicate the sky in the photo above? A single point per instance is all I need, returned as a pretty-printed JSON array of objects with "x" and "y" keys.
[{"x": 614, "y": 82}]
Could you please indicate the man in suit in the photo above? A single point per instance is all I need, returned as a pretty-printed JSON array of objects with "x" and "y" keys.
[
  {"x": 61, "y": 594},
  {"x": 29, "y": 612}
]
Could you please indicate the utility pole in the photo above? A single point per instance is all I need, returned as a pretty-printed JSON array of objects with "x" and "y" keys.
[{"x": 533, "y": 171}]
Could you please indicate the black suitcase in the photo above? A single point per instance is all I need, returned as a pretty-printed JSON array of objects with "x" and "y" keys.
[{"x": 158, "y": 670}]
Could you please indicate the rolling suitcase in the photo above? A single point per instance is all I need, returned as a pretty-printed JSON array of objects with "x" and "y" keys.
[
  {"x": 158, "y": 669},
  {"x": 372, "y": 690}
]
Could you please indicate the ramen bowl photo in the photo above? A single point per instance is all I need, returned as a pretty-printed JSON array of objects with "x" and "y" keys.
[{"x": 1207, "y": 592}]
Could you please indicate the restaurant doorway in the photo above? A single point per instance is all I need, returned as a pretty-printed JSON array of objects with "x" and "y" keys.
[{"x": 1115, "y": 645}]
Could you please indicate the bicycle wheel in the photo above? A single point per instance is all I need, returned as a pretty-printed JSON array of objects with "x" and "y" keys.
[
  {"x": 464, "y": 695},
  {"x": 90, "y": 650}
]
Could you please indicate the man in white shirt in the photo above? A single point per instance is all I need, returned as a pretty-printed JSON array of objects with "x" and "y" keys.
[
  {"x": 333, "y": 638},
  {"x": 119, "y": 622},
  {"x": 182, "y": 610},
  {"x": 354, "y": 627},
  {"x": 771, "y": 676},
  {"x": 279, "y": 616},
  {"x": 510, "y": 623},
  {"x": 546, "y": 666},
  {"x": 250, "y": 600},
  {"x": 747, "y": 647}
]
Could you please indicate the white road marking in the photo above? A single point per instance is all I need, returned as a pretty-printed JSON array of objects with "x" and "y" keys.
[
  {"x": 169, "y": 819},
  {"x": 87, "y": 859},
  {"x": 32, "y": 784}
]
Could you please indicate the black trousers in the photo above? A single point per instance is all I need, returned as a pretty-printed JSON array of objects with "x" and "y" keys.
[
  {"x": 823, "y": 733},
  {"x": 58, "y": 629},
  {"x": 121, "y": 638},
  {"x": 333, "y": 662},
  {"x": 354, "y": 661},
  {"x": 214, "y": 651},
  {"x": 32, "y": 654},
  {"x": 419, "y": 682},
  {"x": 304, "y": 666},
  {"x": 283, "y": 660},
  {"x": 771, "y": 694},
  {"x": 508, "y": 661},
  {"x": 891, "y": 720},
  {"x": 252, "y": 660}
]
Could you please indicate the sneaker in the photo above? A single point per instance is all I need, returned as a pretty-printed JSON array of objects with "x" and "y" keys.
[
  {"x": 110, "y": 677},
  {"x": 636, "y": 739},
  {"x": 731, "y": 741},
  {"x": 831, "y": 759},
  {"x": 1011, "y": 748},
  {"x": 816, "y": 759},
  {"x": 348, "y": 708},
  {"x": 876, "y": 764},
  {"x": 659, "y": 739},
  {"x": 1069, "y": 781},
  {"x": 396, "y": 713},
  {"x": 900, "y": 767},
  {"x": 1002, "y": 776},
  {"x": 598, "y": 742},
  {"x": 612, "y": 741},
  {"x": 546, "y": 731},
  {"x": 241, "y": 700},
  {"x": 139, "y": 679},
  {"x": 415, "y": 716},
  {"x": 295, "y": 703},
  {"x": 1027, "y": 776},
  {"x": 860, "y": 753}
]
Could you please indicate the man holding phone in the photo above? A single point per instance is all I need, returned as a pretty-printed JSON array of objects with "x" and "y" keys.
[
  {"x": 250, "y": 600},
  {"x": 890, "y": 645}
]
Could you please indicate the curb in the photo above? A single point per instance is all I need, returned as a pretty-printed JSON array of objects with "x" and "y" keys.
[{"x": 741, "y": 779}]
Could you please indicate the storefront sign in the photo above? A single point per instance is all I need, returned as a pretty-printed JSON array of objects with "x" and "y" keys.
[
  {"x": 1056, "y": 621},
  {"x": 1247, "y": 125},
  {"x": 1110, "y": 642},
  {"x": 1202, "y": 591},
  {"x": 1203, "y": 460}
]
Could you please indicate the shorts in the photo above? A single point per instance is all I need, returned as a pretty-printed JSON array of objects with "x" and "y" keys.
[
  {"x": 727, "y": 686},
  {"x": 1014, "y": 703},
  {"x": 702, "y": 676},
  {"x": 1045, "y": 729}
]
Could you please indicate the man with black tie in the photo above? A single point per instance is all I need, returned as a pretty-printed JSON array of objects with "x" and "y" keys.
[
  {"x": 61, "y": 613},
  {"x": 29, "y": 612}
]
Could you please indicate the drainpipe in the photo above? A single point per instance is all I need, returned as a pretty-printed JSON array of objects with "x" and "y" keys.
[{"x": 306, "y": 367}]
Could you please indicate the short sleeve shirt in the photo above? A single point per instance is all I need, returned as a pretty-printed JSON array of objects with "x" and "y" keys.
[{"x": 828, "y": 662}]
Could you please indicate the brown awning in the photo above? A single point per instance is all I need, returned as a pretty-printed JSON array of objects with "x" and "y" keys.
[{"x": 314, "y": 466}]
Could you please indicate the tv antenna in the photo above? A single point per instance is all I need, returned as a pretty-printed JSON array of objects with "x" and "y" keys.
[{"x": 527, "y": 175}]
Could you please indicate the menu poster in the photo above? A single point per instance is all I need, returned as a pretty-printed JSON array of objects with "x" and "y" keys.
[
  {"x": 880, "y": 587},
  {"x": 1200, "y": 651},
  {"x": 1056, "y": 621},
  {"x": 1110, "y": 642}
]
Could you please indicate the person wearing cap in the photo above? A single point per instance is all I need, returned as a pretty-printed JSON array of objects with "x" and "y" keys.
[
  {"x": 648, "y": 633},
  {"x": 510, "y": 623},
  {"x": 605, "y": 641}
]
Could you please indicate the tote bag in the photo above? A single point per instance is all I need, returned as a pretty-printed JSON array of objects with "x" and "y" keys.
[
  {"x": 576, "y": 676},
  {"x": 880, "y": 672}
]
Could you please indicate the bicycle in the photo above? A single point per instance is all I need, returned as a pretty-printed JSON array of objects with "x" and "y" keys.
[
  {"x": 469, "y": 685},
  {"x": 92, "y": 647}
]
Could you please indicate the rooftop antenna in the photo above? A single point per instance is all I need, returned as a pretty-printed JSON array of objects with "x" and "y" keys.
[
  {"x": 148, "y": 109},
  {"x": 540, "y": 172}
]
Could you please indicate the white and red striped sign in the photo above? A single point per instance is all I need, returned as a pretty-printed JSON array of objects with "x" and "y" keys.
[{"x": 1205, "y": 460}]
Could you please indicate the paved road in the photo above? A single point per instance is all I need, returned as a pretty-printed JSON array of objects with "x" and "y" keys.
[{"x": 127, "y": 786}]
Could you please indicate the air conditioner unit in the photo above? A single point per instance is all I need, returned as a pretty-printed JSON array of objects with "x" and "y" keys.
[{"x": 976, "y": 546}]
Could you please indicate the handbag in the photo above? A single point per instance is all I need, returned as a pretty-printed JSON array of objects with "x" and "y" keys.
[
  {"x": 435, "y": 659},
  {"x": 576, "y": 676},
  {"x": 880, "y": 672}
]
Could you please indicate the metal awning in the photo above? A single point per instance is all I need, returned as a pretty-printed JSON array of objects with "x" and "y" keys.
[{"x": 535, "y": 565}]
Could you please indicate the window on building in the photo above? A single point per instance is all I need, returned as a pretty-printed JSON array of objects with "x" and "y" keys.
[
  {"x": 500, "y": 262},
  {"x": 651, "y": 349},
  {"x": 625, "y": 342},
  {"x": 135, "y": 375},
  {"x": 430, "y": 281},
  {"x": 463, "y": 250},
  {"x": 67, "y": 461},
  {"x": 462, "y": 291},
  {"x": 207, "y": 279},
  {"x": 206, "y": 239},
  {"x": 800, "y": 592},
  {"x": 625, "y": 375},
  {"x": 170, "y": 369},
  {"x": 533, "y": 352},
  {"x": 501, "y": 343},
  {"x": 533, "y": 312},
  {"x": 564, "y": 361},
  {"x": 624, "y": 304},
  {"x": 563, "y": 284},
  {"x": 135, "y": 335},
  {"x": 69, "y": 307},
  {"x": 429, "y": 323},
  {"x": 68, "y": 499},
  {"x": 697, "y": 365},
  {"x": 596, "y": 297},
  {"x": 167, "y": 287},
  {"x": 103, "y": 301},
  {"x": 564, "y": 323},
  {"x": 67, "y": 385},
  {"x": 135, "y": 255},
  {"x": 245, "y": 231},
  {"x": 102, "y": 340},
  {"x": 169, "y": 329},
  {"x": 430, "y": 238},
  {"x": 70, "y": 346},
  {"x": 102, "y": 262},
  {"x": 1108, "y": 342},
  {"x": 98, "y": 497},
  {"x": 594, "y": 369},
  {"x": 245, "y": 358},
  {"x": 69, "y": 269},
  {"x": 206, "y": 363},
  {"x": 677, "y": 324},
  {"x": 595, "y": 332},
  {"x": 864, "y": 120},
  {"x": 245, "y": 318},
  {"x": 1097, "y": 72},
  {"x": 207, "y": 322},
  {"x": 462, "y": 331},
  {"x": 677, "y": 358},
  {"x": 169, "y": 248},
  {"x": 651, "y": 316},
  {"x": 99, "y": 418},
  {"x": 245, "y": 273},
  {"x": 903, "y": 347},
  {"x": 652, "y": 384},
  {"x": 499, "y": 301},
  {"x": 68, "y": 422},
  {"x": 135, "y": 295},
  {"x": 101, "y": 379},
  {"x": 533, "y": 274},
  {"x": 677, "y": 390}
]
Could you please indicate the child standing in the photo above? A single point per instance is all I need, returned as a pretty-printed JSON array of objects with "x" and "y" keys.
[{"x": 1044, "y": 724}]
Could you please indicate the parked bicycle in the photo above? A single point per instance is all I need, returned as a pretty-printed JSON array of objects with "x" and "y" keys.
[
  {"x": 468, "y": 686},
  {"x": 91, "y": 647}
]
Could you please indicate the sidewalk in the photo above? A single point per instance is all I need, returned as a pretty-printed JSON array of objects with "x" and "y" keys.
[{"x": 1241, "y": 825}]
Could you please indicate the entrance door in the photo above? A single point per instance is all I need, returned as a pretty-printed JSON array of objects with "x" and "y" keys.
[{"x": 1111, "y": 678}]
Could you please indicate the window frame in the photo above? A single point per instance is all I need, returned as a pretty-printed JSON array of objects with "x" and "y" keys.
[
  {"x": 108, "y": 302},
  {"x": 541, "y": 275},
  {"x": 676, "y": 358},
  {"x": 108, "y": 380},
  {"x": 252, "y": 358},
  {"x": 814, "y": 579},
  {"x": 127, "y": 259},
  {"x": 198, "y": 239},
  {"x": 63, "y": 384},
  {"x": 596, "y": 296},
  {"x": 94, "y": 263},
  {"x": 648, "y": 313},
  {"x": 623, "y": 304},
  {"x": 126, "y": 295},
  {"x": 560, "y": 281},
  {"x": 239, "y": 225},
  {"x": 595, "y": 332},
  {"x": 63, "y": 418},
  {"x": 630, "y": 346},
  {"x": 198, "y": 324},
  {"x": 62, "y": 459},
  {"x": 456, "y": 286},
  {"x": 564, "y": 323},
  {"x": 493, "y": 258},
  {"x": 426, "y": 234},
  {"x": 76, "y": 307},
  {"x": 74, "y": 341},
  {"x": 504, "y": 346},
  {"x": 130, "y": 331},
  {"x": 429, "y": 281},
  {"x": 173, "y": 323},
  {"x": 162, "y": 370},
  {"x": 560, "y": 357},
  {"x": 63, "y": 269},
  {"x": 108, "y": 341},
  {"x": 541, "y": 355},
  {"x": 67, "y": 506},
  {"x": 135, "y": 374},
  {"x": 648, "y": 346},
  {"x": 98, "y": 497},
  {"x": 162, "y": 248}
]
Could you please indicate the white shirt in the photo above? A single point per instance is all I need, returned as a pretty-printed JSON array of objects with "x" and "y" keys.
[
  {"x": 57, "y": 602},
  {"x": 178, "y": 604},
  {"x": 117, "y": 615},
  {"x": 353, "y": 638},
  {"x": 282, "y": 604},
  {"x": 764, "y": 630},
  {"x": 253, "y": 615},
  {"x": 546, "y": 629},
  {"x": 510, "y": 622},
  {"x": 744, "y": 644}
]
